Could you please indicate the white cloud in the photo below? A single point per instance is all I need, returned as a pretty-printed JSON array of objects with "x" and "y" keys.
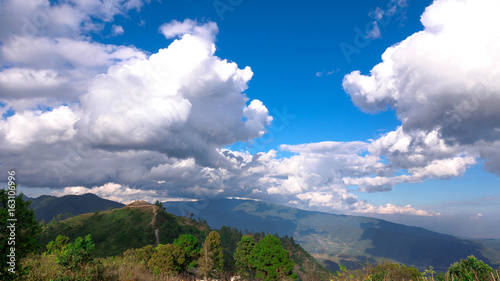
[
  {"x": 117, "y": 30},
  {"x": 32, "y": 126},
  {"x": 46, "y": 55},
  {"x": 390, "y": 209},
  {"x": 117, "y": 121},
  {"x": 443, "y": 84},
  {"x": 175, "y": 29},
  {"x": 374, "y": 32},
  {"x": 183, "y": 101},
  {"x": 415, "y": 78},
  {"x": 114, "y": 192},
  {"x": 141, "y": 119}
]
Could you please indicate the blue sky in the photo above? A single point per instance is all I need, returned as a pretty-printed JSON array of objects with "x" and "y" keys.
[{"x": 154, "y": 100}]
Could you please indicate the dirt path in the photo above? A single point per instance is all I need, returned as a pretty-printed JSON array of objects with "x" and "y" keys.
[{"x": 153, "y": 224}]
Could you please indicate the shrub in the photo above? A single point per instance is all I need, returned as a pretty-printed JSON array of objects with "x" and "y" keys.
[
  {"x": 393, "y": 271},
  {"x": 191, "y": 248},
  {"x": 470, "y": 269},
  {"x": 167, "y": 259}
]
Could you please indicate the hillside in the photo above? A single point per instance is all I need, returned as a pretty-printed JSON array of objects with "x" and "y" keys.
[
  {"x": 137, "y": 225},
  {"x": 117, "y": 230},
  {"x": 334, "y": 239},
  {"x": 47, "y": 207}
]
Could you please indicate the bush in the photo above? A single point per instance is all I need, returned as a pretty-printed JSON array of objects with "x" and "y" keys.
[
  {"x": 470, "y": 269},
  {"x": 393, "y": 271},
  {"x": 167, "y": 259},
  {"x": 76, "y": 254}
]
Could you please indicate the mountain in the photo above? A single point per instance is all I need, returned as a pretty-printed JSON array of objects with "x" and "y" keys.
[
  {"x": 47, "y": 207},
  {"x": 140, "y": 224},
  {"x": 334, "y": 239},
  {"x": 117, "y": 230}
]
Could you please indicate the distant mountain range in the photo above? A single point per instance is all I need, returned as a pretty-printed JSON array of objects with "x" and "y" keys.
[
  {"x": 348, "y": 240},
  {"x": 332, "y": 239},
  {"x": 47, "y": 207}
]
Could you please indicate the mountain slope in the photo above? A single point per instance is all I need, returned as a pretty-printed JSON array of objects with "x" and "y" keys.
[
  {"x": 349, "y": 240},
  {"x": 117, "y": 230},
  {"x": 47, "y": 207},
  {"x": 136, "y": 225}
]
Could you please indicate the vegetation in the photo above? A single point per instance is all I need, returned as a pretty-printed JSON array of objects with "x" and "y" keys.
[
  {"x": 347, "y": 240},
  {"x": 271, "y": 261},
  {"x": 79, "y": 250},
  {"x": 243, "y": 257},
  {"x": 47, "y": 207},
  {"x": 20, "y": 235},
  {"x": 211, "y": 260},
  {"x": 470, "y": 269}
]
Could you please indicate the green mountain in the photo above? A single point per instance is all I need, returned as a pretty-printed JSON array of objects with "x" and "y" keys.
[
  {"x": 334, "y": 239},
  {"x": 47, "y": 207},
  {"x": 140, "y": 224}
]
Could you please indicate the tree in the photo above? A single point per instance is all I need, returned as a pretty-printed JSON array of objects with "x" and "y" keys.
[
  {"x": 470, "y": 269},
  {"x": 243, "y": 257},
  {"x": 189, "y": 244},
  {"x": 271, "y": 261},
  {"x": 74, "y": 255},
  {"x": 167, "y": 259},
  {"x": 159, "y": 204},
  {"x": 211, "y": 260},
  {"x": 20, "y": 235},
  {"x": 58, "y": 245}
]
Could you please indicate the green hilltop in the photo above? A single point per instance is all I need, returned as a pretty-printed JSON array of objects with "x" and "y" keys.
[{"x": 141, "y": 224}]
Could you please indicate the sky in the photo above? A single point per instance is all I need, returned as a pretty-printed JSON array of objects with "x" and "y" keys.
[{"x": 380, "y": 108}]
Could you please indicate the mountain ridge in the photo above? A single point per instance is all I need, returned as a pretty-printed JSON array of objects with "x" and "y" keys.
[
  {"x": 46, "y": 207},
  {"x": 334, "y": 239}
]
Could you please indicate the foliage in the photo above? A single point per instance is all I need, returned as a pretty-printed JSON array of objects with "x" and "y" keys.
[
  {"x": 393, "y": 271},
  {"x": 191, "y": 248},
  {"x": 113, "y": 231},
  {"x": 76, "y": 254},
  {"x": 167, "y": 259},
  {"x": 58, "y": 245},
  {"x": 470, "y": 269},
  {"x": 229, "y": 241},
  {"x": 270, "y": 260},
  {"x": 26, "y": 232},
  {"x": 66, "y": 261},
  {"x": 243, "y": 257},
  {"x": 211, "y": 261}
]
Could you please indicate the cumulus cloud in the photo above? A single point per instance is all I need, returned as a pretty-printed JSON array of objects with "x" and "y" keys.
[
  {"x": 114, "y": 120},
  {"x": 443, "y": 84},
  {"x": 141, "y": 119},
  {"x": 175, "y": 29},
  {"x": 183, "y": 101},
  {"x": 46, "y": 56},
  {"x": 117, "y": 30},
  {"x": 113, "y": 191}
]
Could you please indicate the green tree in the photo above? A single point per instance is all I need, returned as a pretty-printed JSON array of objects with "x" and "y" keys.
[
  {"x": 159, "y": 204},
  {"x": 167, "y": 259},
  {"x": 58, "y": 245},
  {"x": 76, "y": 254},
  {"x": 211, "y": 262},
  {"x": 271, "y": 261},
  {"x": 243, "y": 257},
  {"x": 20, "y": 235},
  {"x": 190, "y": 245},
  {"x": 470, "y": 269}
]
